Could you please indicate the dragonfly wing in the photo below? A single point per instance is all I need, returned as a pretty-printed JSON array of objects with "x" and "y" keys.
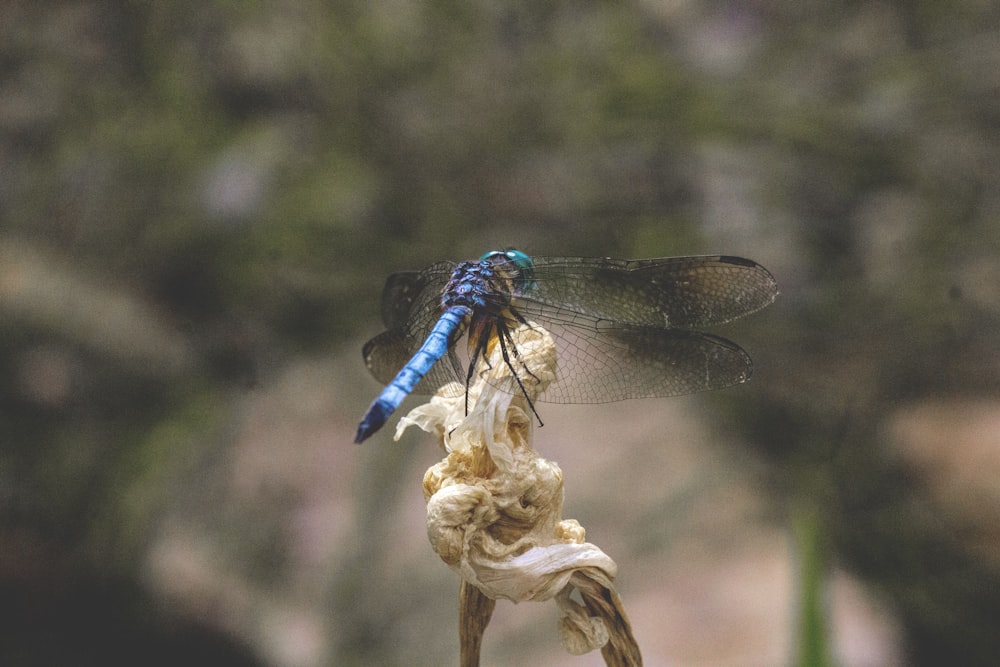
[
  {"x": 386, "y": 354},
  {"x": 408, "y": 293},
  {"x": 410, "y": 309},
  {"x": 670, "y": 292},
  {"x": 601, "y": 364}
]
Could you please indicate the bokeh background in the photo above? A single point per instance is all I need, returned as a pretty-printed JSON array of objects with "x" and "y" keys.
[{"x": 200, "y": 202}]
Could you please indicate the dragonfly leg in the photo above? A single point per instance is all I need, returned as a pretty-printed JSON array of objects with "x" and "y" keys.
[
  {"x": 517, "y": 355},
  {"x": 482, "y": 341},
  {"x": 505, "y": 338},
  {"x": 521, "y": 319}
]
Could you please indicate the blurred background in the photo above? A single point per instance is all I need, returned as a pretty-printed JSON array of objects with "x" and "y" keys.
[{"x": 201, "y": 201}]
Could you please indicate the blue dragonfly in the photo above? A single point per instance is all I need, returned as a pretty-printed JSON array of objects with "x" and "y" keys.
[{"x": 623, "y": 328}]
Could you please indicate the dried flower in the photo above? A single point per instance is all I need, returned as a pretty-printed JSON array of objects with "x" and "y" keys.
[{"x": 494, "y": 511}]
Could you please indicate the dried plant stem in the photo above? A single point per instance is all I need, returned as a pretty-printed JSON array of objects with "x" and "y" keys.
[
  {"x": 475, "y": 611},
  {"x": 602, "y": 600}
]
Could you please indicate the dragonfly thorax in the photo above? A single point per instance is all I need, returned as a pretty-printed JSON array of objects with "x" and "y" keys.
[{"x": 487, "y": 286}]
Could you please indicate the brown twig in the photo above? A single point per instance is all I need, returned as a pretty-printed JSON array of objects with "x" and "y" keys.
[{"x": 475, "y": 611}]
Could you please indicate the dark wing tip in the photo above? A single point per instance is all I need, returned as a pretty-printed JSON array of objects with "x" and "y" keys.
[
  {"x": 739, "y": 261},
  {"x": 769, "y": 285}
]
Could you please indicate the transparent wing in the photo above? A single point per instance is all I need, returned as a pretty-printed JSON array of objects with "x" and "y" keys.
[
  {"x": 670, "y": 292},
  {"x": 622, "y": 328},
  {"x": 598, "y": 362}
]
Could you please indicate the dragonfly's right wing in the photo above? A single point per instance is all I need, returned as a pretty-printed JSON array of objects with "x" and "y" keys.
[
  {"x": 669, "y": 292},
  {"x": 606, "y": 362}
]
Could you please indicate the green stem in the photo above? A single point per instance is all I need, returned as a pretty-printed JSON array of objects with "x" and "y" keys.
[{"x": 813, "y": 628}]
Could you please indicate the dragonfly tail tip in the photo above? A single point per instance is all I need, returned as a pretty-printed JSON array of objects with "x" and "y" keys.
[{"x": 373, "y": 420}]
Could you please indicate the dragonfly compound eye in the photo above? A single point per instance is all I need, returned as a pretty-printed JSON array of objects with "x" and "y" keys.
[{"x": 524, "y": 264}]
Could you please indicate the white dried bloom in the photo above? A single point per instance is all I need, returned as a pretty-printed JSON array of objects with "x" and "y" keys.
[{"x": 494, "y": 506}]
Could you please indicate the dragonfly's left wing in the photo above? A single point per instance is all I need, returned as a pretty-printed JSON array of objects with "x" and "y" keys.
[{"x": 411, "y": 305}]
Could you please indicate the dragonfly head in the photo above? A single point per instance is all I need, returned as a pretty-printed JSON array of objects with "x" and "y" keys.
[{"x": 521, "y": 261}]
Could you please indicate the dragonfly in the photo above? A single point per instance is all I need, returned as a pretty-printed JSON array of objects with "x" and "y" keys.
[{"x": 623, "y": 328}]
